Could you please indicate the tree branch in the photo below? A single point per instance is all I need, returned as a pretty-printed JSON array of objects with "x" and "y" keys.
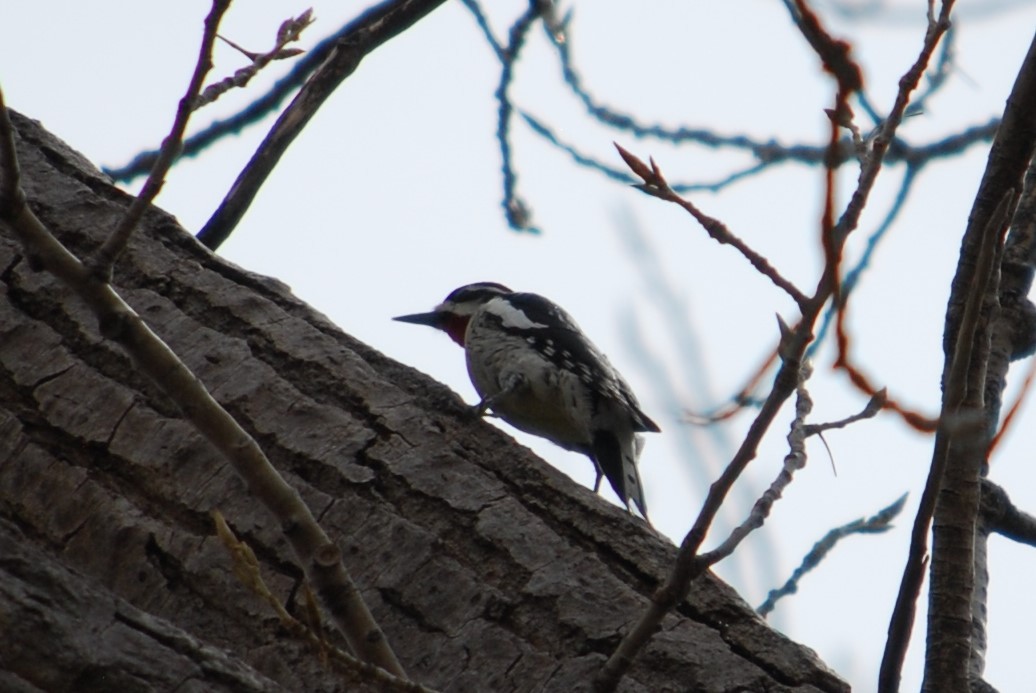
[
  {"x": 517, "y": 213},
  {"x": 101, "y": 263},
  {"x": 957, "y": 476},
  {"x": 880, "y": 522},
  {"x": 321, "y": 559},
  {"x": 793, "y": 461},
  {"x": 1001, "y": 516},
  {"x": 656, "y": 185},
  {"x": 1008, "y": 160},
  {"x": 792, "y": 350},
  {"x": 363, "y": 35}
]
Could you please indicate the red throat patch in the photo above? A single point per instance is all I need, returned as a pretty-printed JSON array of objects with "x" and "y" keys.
[{"x": 456, "y": 326}]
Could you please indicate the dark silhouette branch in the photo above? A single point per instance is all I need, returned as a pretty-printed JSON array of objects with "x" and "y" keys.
[
  {"x": 957, "y": 473},
  {"x": 1008, "y": 160},
  {"x": 363, "y": 35},
  {"x": 1014, "y": 327},
  {"x": 1001, "y": 516}
]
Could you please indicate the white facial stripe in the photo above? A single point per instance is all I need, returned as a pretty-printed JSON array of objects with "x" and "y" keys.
[{"x": 511, "y": 316}]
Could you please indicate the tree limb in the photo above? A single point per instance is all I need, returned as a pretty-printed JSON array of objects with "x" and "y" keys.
[
  {"x": 363, "y": 35},
  {"x": 1009, "y": 157},
  {"x": 320, "y": 558}
]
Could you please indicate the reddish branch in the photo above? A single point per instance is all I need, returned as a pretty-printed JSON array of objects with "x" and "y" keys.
[
  {"x": 689, "y": 563},
  {"x": 656, "y": 185},
  {"x": 907, "y": 84}
]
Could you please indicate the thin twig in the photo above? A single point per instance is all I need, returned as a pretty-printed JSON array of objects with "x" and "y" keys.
[
  {"x": 854, "y": 275},
  {"x": 793, "y": 461},
  {"x": 487, "y": 31},
  {"x": 875, "y": 524},
  {"x": 741, "y": 399},
  {"x": 363, "y": 35},
  {"x": 289, "y": 32},
  {"x": 907, "y": 84},
  {"x": 516, "y": 211},
  {"x": 874, "y": 405},
  {"x": 622, "y": 176},
  {"x": 656, "y": 185},
  {"x": 686, "y": 568},
  {"x": 101, "y": 263}
]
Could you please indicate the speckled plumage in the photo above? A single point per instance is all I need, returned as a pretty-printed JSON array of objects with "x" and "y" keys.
[{"x": 533, "y": 366}]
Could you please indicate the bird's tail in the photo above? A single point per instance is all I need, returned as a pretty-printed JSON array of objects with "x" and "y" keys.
[{"x": 618, "y": 460}]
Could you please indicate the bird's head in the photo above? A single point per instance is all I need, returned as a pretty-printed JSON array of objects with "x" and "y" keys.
[{"x": 453, "y": 314}]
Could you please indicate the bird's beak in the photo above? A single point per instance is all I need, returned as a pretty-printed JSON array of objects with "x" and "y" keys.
[{"x": 433, "y": 319}]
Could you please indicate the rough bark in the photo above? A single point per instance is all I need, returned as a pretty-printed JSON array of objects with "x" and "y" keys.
[{"x": 488, "y": 569}]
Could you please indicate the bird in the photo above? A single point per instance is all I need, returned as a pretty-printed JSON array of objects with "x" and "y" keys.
[{"x": 534, "y": 368}]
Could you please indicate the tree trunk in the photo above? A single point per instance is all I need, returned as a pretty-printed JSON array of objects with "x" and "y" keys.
[{"x": 487, "y": 569}]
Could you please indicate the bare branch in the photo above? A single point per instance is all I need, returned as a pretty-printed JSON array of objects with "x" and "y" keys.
[
  {"x": 687, "y": 567},
  {"x": 516, "y": 211},
  {"x": 1014, "y": 327},
  {"x": 487, "y": 31},
  {"x": 321, "y": 558},
  {"x": 363, "y": 35},
  {"x": 1010, "y": 157},
  {"x": 875, "y": 524},
  {"x": 957, "y": 473},
  {"x": 289, "y": 32},
  {"x": 853, "y": 276},
  {"x": 874, "y": 405},
  {"x": 1001, "y": 516},
  {"x": 793, "y": 461},
  {"x": 834, "y": 53},
  {"x": 101, "y": 263},
  {"x": 868, "y": 175},
  {"x": 655, "y": 184}
]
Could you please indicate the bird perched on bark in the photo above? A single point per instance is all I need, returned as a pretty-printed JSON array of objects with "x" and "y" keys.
[{"x": 535, "y": 369}]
